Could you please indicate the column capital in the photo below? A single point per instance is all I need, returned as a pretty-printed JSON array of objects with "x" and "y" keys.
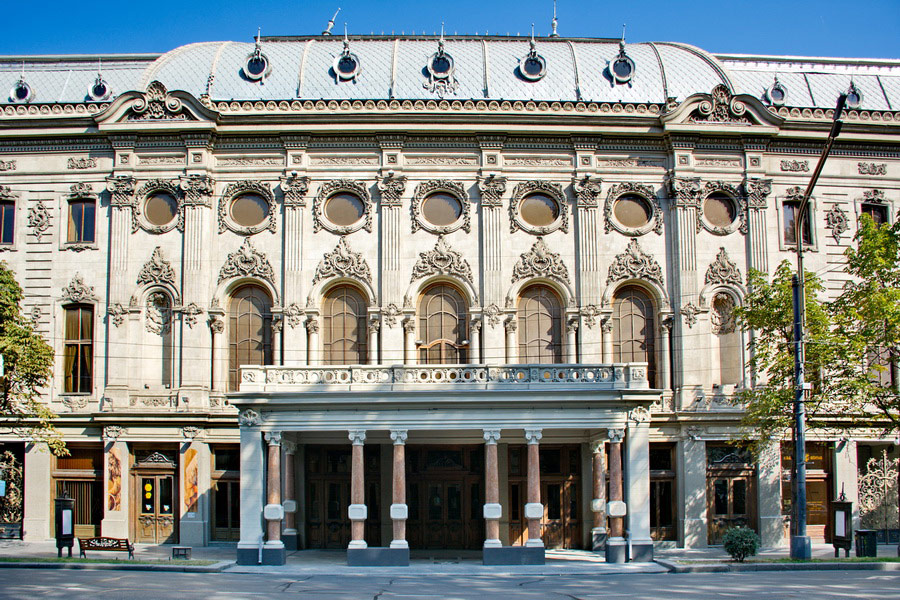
[
  {"x": 357, "y": 436},
  {"x": 597, "y": 446},
  {"x": 533, "y": 435},
  {"x": 399, "y": 436},
  {"x": 273, "y": 438},
  {"x": 615, "y": 435},
  {"x": 289, "y": 447},
  {"x": 491, "y": 436}
]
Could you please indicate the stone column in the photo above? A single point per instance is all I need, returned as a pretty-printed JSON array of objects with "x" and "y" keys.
[
  {"x": 357, "y": 510},
  {"x": 637, "y": 484},
  {"x": 606, "y": 327},
  {"x": 399, "y": 510},
  {"x": 251, "y": 488},
  {"x": 598, "y": 503},
  {"x": 273, "y": 512},
  {"x": 662, "y": 370},
  {"x": 615, "y": 546},
  {"x": 373, "y": 327},
  {"x": 534, "y": 510},
  {"x": 475, "y": 342},
  {"x": 195, "y": 480},
  {"x": 692, "y": 488},
  {"x": 277, "y": 326},
  {"x": 409, "y": 340},
  {"x": 571, "y": 341},
  {"x": 512, "y": 349},
  {"x": 312, "y": 345},
  {"x": 492, "y": 508},
  {"x": 289, "y": 535},
  {"x": 37, "y": 512},
  {"x": 218, "y": 353}
]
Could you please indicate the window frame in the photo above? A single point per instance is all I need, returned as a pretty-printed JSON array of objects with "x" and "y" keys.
[
  {"x": 73, "y": 373},
  {"x": 79, "y": 243},
  {"x": 363, "y": 352},
  {"x": 783, "y": 244},
  {"x": 461, "y": 345},
  {"x": 233, "y": 343},
  {"x": 11, "y": 202},
  {"x": 559, "y": 345}
]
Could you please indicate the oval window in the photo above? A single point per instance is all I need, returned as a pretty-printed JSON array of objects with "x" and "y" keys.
[
  {"x": 344, "y": 209},
  {"x": 160, "y": 208},
  {"x": 249, "y": 210},
  {"x": 539, "y": 210},
  {"x": 533, "y": 66},
  {"x": 622, "y": 69},
  {"x": 441, "y": 65},
  {"x": 441, "y": 209},
  {"x": 347, "y": 65},
  {"x": 256, "y": 66},
  {"x": 632, "y": 211},
  {"x": 719, "y": 210}
]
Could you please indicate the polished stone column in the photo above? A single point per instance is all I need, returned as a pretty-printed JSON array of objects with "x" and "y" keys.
[
  {"x": 615, "y": 547},
  {"x": 399, "y": 510},
  {"x": 534, "y": 510},
  {"x": 492, "y": 508},
  {"x": 289, "y": 536},
  {"x": 598, "y": 503},
  {"x": 273, "y": 510},
  {"x": 357, "y": 510}
]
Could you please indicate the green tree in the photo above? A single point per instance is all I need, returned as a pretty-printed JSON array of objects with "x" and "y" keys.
[{"x": 28, "y": 363}]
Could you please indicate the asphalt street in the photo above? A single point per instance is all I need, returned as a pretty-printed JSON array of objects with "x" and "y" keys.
[{"x": 108, "y": 585}]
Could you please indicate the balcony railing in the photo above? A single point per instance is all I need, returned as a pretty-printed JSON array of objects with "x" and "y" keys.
[{"x": 272, "y": 378}]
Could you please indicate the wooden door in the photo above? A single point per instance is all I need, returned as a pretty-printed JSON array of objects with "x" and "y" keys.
[
  {"x": 561, "y": 525},
  {"x": 226, "y": 509},
  {"x": 156, "y": 520},
  {"x": 444, "y": 515},
  {"x": 729, "y": 504}
]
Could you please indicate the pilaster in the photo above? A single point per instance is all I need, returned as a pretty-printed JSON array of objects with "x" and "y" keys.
[
  {"x": 252, "y": 489},
  {"x": 116, "y": 498},
  {"x": 846, "y": 475},
  {"x": 195, "y": 478},
  {"x": 637, "y": 484},
  {"x": 692, "y": 489},
  {"x": 771, "y": 521},
  {"x": 37, "y": 505}
]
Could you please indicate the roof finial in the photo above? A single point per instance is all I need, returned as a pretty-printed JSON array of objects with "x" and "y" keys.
[
  {"x": 554, "y": 22},
  {"x": 99, "y": 67},
  {"x": 622, "y": 42},
  {"x": 532, "y": 39},
  {"x": 441, "y": 41},
  {"x": 346, "y": 39},
  {"x": 331, "y": 22}
]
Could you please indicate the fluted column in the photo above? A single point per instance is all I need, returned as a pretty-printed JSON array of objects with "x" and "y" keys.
[
  {"x": 492, "y": 509},
  {"x": 399, "y": 510},
  {"x": 273, "y": 510},
  {"x": 598, "y": 503},
  {"x": 571, "y": 341},
  {"x": 615, "y": 547},
  {"x": 312, "y": 333},
  {"x": 511, "y": 341},
  {"x": 409, "y": 344},
  {"x": 534, "y": 510},
  {"x": 290, "y": 504},
  {"x": 357, "y": 510}
]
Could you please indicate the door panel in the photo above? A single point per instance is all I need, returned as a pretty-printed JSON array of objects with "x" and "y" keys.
[
  {"x": 729, "y": 504},
  {"x": 156, "y": 508},
  {"x": 226, "y": 499}
]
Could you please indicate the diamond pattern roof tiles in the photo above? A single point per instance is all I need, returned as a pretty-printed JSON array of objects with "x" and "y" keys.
[
  {"x": 755, "y": 83},
  {"x": 687, "y": 70},
  {"x": 68, "y": 81}
]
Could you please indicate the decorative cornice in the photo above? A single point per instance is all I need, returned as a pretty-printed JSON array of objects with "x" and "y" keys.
[
  {"x": 442, "y": 260},
  {"x": 78, "y": 291},
  {"x": 723, "y": 270},
  {"x": 635, "y": 264},
  {"x": 247, "y": 261},
  {"x": 343, "y": 262},
  {"x": 540, "y": 262},
  {"x": 156, "y": 270}
]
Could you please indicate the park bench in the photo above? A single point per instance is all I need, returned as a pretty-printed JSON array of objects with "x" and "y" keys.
[{"x": 105, "y": 544}]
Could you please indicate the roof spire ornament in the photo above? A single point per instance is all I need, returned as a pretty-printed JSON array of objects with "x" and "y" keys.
[
  {"x": 257, "y": 65},
  {"x": 21, "y": 92},
  {"x": 554, "y": 22},
  {"x": 331, "y": 22},
  {"x": 346, "y": 64}
]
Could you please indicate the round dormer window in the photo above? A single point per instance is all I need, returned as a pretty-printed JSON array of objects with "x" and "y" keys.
[
  {"x": 346, "y": 66},
  {"x": 257, "y": 66},
  {"x": 854, "y": 96},
  {"x": 441, "y": 65},
  {"x": 21, "y": 92},
  {"x": 533, "y": 67},
  {"x": 622, "y": 69},
  {"x": 99, "y": 90}
]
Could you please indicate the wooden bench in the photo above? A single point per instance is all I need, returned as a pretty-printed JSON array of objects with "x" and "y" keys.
[{"x": 105, "y": 544}]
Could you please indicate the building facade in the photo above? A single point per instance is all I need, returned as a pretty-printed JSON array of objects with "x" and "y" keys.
[{"x": 473, "y": 292}]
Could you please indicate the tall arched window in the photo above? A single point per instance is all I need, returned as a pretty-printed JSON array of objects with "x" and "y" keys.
[
  {"x": 540, "y": 326},
  {"x": 443, "y": 326},
  {"x": 249, "y": 331},
  {"x": 633, "y": 329},
  {"x": 344, "y": 327}
]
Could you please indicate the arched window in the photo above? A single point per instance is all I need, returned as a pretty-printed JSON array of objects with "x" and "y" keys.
[
  {"x": 540, "y": 326},
  {"x": 344, "y": 327},
  {"x": 443, "y": 326},
  {"x": 633, "y": 329},
  {"x": 249, "y": 331},
  {"x": 157, "y": 352}
]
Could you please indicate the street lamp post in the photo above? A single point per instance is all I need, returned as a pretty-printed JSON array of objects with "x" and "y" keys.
[{"x": 800, "y": 544}]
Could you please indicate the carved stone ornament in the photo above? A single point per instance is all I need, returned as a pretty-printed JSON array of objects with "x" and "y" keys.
[
  {"x": 441, "y": 73},
  {"x": 312, "y": 325},
  {"x": 148, "y": 189},
  {"x": 159, "y": 314},
  {"x": 837, "y": 221},
  {"x": 639, "y": 414},
  {"x": 216, "y": 324},
  {"x": 492, "y": 312},
  {"x": 190, "y": 314},
  {"x": 81, "y": 190},
  {"x": 757, "y": 192},
  {"x": 81, "y": 163},
  {"x": 78, "y": 291},
  {"x": 337, "y": 186},
  {"x": 117, "y": 314},
  {"x": 74, "y": 403},
  {"x": 722, "y": 316},
  {"x": 635, "y": 264},
  {"x": 540, "y": 262},
  {"x": 721, "y": 107},
  {"x": 615, "y": 435},
  {"x": 390, "y": 314},
  {"x": 735, "y": 196},
  {"x": 232, "y": 193},
  {"x": 197, "y": 190},
  {"x": 689, "y": 313},
  {"x": 113, "y": 432},
  {"x": 447, "y": 186},
  {"x": 294, "y": 190},
  {"x": 250, "y": 418},
  {"x": 121, "y": 191},
  {"x": 492, "y": 189},
  {"x": 157, "y": 270},
  {"x": 190, "y": 432},
  {"x": 247, "y": 261},
  {"x": 654, "y": 223},
  {"x": 693, "y": 433},
  {"x": 873, "y": 196},
  {"x": 392, "y": 189},
  {"x": 590, "y": 314},
  {"x": 537, "y": 186},
  {"x": 794, "y": 194},
  {"x": 343, "y": 262},
  {"x": 38, "y": 219},
  {"x": 156, "y": 104},
  {"x": 685, "y": 192},
  {"x": 442, "y": 260},
  {"x": 796, "y": 166},
  {"x": 723, "y": 270},
  {"x": 872, "y": 168},
  {"x": 293, "y": 313},
  {"x": 587, "y": 191}
]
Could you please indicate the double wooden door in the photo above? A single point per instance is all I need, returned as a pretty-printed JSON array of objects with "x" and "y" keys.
[
  {"x": 561, "y": 522},
  {"x": 446, "y": 512},
  {"x": 729, "y": 503},
  {"x": 156, "y": 495},
  {"x": 226, "y": 509}
]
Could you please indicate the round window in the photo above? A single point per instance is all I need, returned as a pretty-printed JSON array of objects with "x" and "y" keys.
[
  {"x": 719, "y": 210},
  {"x": 160, "y": 208},
  {"x": 249, "y": 210},
  {"x": 346, "y": 65},
  {"x": 632, "y": 211},
  {"x": 622, "y": 69},
  {"x": 21, "y": 92},
  {"x": 441, "y": 64},
  {"x": 533, "y": 66},
  {"x": 344, "y": 209},
  {"x": 539, "y": 210},
  {"x": 256, "y": 66},
  {"x": 441, "y": 209}
]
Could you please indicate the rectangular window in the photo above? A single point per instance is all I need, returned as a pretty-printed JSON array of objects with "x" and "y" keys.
[
  {"x": 878, "y": 212},
  {"x": 789, "y": 212},
  {"x": 7, "y": 221},
  {"x": 78, "y": 353},
  {"x": 81, "y": 221}
]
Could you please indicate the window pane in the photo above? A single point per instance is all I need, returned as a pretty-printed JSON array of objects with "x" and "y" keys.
[
  {"x": 443, "y": 326},
  {"x": 633, "y": 337},
  {"x": 7, "y": 222},
  {"x": 540, "y": 326},
  {"x": 632, "y": 211},
  {"x": 344, "y": 209},
  {"x": 345, "y": 335},
  {"x": 87, "y": 228},
  {"x": 454, "y": 502},
  {"x": 441, "y": 209},
  {"x": 539, "y": 210},
  {"x": 165, "y": 496},
  {"x": 721, "y": 496},
  {"x": 739, "y": 498},
  {"x": 554, "y": 510},
  {"x": 789, "y": 212},
  {"x": 148, "y": 493},
  {"x": 250, "y": 331},
  {"x": 434, "y": 503}
]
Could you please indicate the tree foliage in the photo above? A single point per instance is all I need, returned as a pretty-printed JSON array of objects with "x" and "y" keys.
[{"x": 28, "y": 364}]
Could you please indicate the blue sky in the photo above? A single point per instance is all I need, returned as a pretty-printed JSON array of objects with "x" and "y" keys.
[{"x": 860, "y": 28}]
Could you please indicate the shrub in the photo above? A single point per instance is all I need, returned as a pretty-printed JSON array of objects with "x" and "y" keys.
[{"x": 740, "y": 542}]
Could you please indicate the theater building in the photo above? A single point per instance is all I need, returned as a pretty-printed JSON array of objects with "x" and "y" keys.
[{"x": 423, "y": 292}]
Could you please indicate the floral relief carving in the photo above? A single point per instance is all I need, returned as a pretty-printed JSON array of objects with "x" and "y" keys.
[
  {"x": 492, "y": 312},
  {"x": 392, "y": 189},
  {"x": 156, "y": 104},
  {"x": 190, "y": 314},
  {"x": 247, "y": 261},
  {"x": 343, "y": 262},
  {"x": 442, "y": 260},
  {"x": 117, "y": 314},
  {"x": 38, "y": 219},
  {"x": 453, "y": 188},
  {"x": 540, "y": 262},
  {"x": 81, "y": 163},
  {"x": 390, "y": 314},
  {"x": 159, "y": 314},
  {"x": 758, "y": 191},
  {"x": 335, "y": 186},
  {"x": 293, "y": 313},
  {"x": 721, "y": 107},
  {"x": 78, "y": 290},
  {"x": 492, "y": 189},
  {"x": 685, "y": 192},
  {"x": 590, "y": 314},
  {"x": 197, "y": 190},
  {"x": 537, "y": 186},
  {"x": 239, "y": 188},
  {"x": 250, "y": 418},
  {"x": 873, "y": 196},
  {"x": 587, "y": 191},
  {"x": 722, "y": 316},
  {"x": 294, "y": 190},
  {"x": 723, "y": 270},
  {"x": 837, "y": 221},
  {"x": 121, "y": 191},
  {"x": 689, "y": 312},
  {"x": 156, "y": 270},
  {"x": 634, "y": 263},
  {"x": 144, "y": 192}
]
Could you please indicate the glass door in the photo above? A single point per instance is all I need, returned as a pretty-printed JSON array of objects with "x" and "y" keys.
[
  {"x": 728, "y": 506},
  {"x": 156, "y": 508},
  {"x": 226, "y": 511}
]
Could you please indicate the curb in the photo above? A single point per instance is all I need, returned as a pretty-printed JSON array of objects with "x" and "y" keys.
[
  {"x": 747, "y": 567},
  {"x": 213, "y": 568}
]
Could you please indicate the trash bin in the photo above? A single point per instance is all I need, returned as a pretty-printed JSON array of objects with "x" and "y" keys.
[{"x": 866, "y": 543}]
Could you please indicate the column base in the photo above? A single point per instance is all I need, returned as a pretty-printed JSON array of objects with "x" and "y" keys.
[
  {"x": 290, "y": 540},
  {"x": 598, "y": 539},
  {"x": 378, "y": 557},
  {"x": 399, "y": 544},
  {"x": 513, "y": 555},
  {"x": 534, "y": 543},
  {"x": 641, "y": 550},
  {"x": 616, "y": 550},
  {"x": 273, "y": 553},
  {"x": 273, "y": 556},
  {"x": 248, "y": 555},
  {"x": 493, "y": 544}
]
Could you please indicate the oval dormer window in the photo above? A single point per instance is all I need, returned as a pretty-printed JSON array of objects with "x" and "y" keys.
[
  {"x": 441, "y": 65},
  {"x": 346, "y": 66},
  {"x": 777, "y": 94},
  {"x": 533, "y": 67},
  {"x": 21, "y": 92},
  {"x": 99, "y": 90},
  {"x": 257, "y": 66},
  {"x": 854, "y": 96}
]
